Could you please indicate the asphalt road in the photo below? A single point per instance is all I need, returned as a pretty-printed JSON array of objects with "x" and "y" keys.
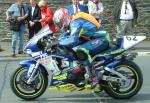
[{"x": 7, "y": 96}]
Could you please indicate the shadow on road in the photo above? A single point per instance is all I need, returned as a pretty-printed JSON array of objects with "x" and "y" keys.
[{"x": 88, "y": 98}]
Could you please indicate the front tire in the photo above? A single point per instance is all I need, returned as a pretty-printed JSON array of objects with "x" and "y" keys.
[
  {"x": 130, "y": 87},
  {"x": 19, "y": 86}
]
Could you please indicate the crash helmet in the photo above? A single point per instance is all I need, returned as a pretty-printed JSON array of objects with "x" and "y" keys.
[{"x": 61, "y": 19}]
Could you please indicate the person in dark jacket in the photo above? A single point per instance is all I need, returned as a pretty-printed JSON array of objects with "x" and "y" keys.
[
  {"x": 34, "y": 14},
  {"x": 125, "y": 17}
]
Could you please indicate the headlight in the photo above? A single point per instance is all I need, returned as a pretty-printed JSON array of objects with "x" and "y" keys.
[
  {"x": 36, "y": 54},
  {"x": 28, "y": 51}
]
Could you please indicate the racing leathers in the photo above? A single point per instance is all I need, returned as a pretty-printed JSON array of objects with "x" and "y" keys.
[{"x": 89, "y": 37}]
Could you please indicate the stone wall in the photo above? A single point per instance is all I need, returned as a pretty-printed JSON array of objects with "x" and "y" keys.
[{"x": 143, "y": 27}]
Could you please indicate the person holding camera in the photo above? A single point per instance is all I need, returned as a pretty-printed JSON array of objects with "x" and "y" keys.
[{"x": 16, "y": 15}]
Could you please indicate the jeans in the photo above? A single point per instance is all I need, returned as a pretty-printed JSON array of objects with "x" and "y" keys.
[{"x": 18, "y": 35}]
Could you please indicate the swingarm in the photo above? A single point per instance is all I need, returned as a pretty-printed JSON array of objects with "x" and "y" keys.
[{"x": 118, "y": 76}]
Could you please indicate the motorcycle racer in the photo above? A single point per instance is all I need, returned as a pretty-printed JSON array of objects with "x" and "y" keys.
[{"x": 83, "y": 31}]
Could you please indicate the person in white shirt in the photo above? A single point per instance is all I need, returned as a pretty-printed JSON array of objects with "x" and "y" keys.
[
  {"x": 125, "y": 16},
  {"x": 96, "y": 9}
]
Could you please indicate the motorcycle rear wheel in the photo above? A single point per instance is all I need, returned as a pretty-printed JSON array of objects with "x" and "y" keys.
[
  {"x": 129, "y": 88},
  {"x": 19, "y": 86}
]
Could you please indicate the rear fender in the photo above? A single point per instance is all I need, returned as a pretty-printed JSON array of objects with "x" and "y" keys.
[
  {"x": 30, "y": 64},
  {"x": 130, "y": 41}
]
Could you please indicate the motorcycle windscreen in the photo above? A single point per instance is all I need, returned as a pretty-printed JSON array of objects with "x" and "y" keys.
[{"x": 42, "y": 33}]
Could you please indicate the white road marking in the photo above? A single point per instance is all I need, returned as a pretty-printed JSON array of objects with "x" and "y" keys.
[{"x": 143, "y": 53}]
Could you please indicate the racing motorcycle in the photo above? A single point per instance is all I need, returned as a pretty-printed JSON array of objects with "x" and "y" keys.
[{"x": 57, "y": 68}]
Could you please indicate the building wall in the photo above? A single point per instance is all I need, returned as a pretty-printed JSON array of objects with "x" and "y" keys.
[{"x": 143, "y": 27}]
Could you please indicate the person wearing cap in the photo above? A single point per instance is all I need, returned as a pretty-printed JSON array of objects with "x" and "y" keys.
[{"x": 46, "y": 15}]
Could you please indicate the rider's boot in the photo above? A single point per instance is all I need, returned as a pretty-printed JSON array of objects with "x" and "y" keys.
[
  {"x": 95, "y": 86},
  {"x": 94, "y": 83}
]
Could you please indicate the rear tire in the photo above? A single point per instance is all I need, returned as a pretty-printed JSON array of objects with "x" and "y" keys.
[
  {"x": 114, "y": 89},
  {"x": 28, "y": 91}
]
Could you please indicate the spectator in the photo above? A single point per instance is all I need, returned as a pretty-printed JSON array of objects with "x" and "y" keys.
[
  {"x": 47, "y": 15},
  {"x": 86, "y": 3},
  {"x": 96, "y": 9},
  {"x": 34, "y": 14},
  {"x": 19, "y": 11},
  {"x": 75, "y": 7},
  {"x": 125, "y": 16}
]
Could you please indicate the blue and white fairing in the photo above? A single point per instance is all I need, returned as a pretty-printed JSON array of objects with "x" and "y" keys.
[{"x": 32, "y": 44}]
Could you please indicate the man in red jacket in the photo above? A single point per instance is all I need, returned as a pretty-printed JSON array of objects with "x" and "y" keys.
[{"x": 46, "y": 15}]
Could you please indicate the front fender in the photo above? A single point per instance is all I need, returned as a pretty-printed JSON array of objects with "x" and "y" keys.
[{"x": 28, "y": 63}]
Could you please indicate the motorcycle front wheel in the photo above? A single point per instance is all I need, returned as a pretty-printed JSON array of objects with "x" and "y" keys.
[
  {"x": 128, "y": 88},
  {"x": 19, "y": 86}
]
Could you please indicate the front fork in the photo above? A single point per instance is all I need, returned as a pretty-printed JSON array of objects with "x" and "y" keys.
[
  {"x": 87, "y": 74},
  {"x": 32, "y": 72}
]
